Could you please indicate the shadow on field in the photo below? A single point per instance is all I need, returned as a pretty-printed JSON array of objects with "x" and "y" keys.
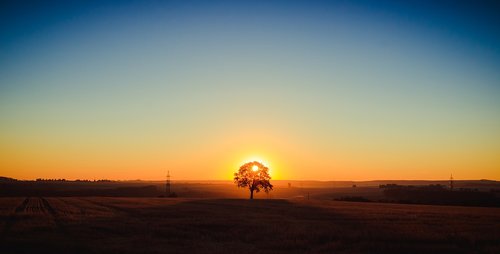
[
  {"x": 142, "y": 225},
  {"x": 243, "y": 226},
  {"x": 203, "y": 226}
]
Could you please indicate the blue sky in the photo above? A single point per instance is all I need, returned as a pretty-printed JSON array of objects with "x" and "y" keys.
[{"x": 113, "y": 86}]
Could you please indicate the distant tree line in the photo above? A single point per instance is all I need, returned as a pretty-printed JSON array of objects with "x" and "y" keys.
[
  {"x": 438, "y": 194},
  {"x": 77, "y": 180},
  {"x": 53, "y": 189}
]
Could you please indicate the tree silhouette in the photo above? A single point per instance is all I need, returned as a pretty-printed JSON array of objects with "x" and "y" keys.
[{"x": 255, "y": 176}]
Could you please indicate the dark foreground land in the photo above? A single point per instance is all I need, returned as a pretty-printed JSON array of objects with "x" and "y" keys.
[{"x": 179, "y": 225}]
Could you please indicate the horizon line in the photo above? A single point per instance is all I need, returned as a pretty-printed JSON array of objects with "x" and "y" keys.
[{"x": 207, "y": 180}]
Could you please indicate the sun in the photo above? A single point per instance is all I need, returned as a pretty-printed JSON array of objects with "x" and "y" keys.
[{"x": 255, "y": 168}]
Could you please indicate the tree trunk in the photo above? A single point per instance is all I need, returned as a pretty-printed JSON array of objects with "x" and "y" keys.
[{"x": 251, "y": 194}]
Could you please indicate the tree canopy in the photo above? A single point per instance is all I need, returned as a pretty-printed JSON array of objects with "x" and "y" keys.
[{"x": 255, "y": 176}]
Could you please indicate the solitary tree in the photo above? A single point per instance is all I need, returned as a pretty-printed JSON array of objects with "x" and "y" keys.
[{"x": 255, "y": 176}]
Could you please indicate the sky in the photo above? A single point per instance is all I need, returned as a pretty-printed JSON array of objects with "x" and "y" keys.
[{"x": 316, "y": 90}]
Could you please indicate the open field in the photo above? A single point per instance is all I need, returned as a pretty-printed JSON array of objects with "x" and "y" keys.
[{"x": 181, "y": 225}]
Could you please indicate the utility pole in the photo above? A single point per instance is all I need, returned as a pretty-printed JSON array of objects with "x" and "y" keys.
[
  {"x": 167, "y": 187},
  {"x": 451, "y": 182}
]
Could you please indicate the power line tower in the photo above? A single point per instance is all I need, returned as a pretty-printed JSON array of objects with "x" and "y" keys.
[
  {"x": 167, "y": 187},
  {"x": 451, "y": 182}
]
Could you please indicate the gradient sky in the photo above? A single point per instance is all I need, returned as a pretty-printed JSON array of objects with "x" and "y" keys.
[{"x": 337, "y": 90}]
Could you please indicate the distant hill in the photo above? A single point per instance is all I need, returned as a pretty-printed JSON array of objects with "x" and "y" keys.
[
  {"x": 480, "y": 184},
  {"x": 218, "y": 188}
]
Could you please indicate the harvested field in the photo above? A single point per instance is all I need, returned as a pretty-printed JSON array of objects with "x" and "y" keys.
[{"x": 160, "y": 225}]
